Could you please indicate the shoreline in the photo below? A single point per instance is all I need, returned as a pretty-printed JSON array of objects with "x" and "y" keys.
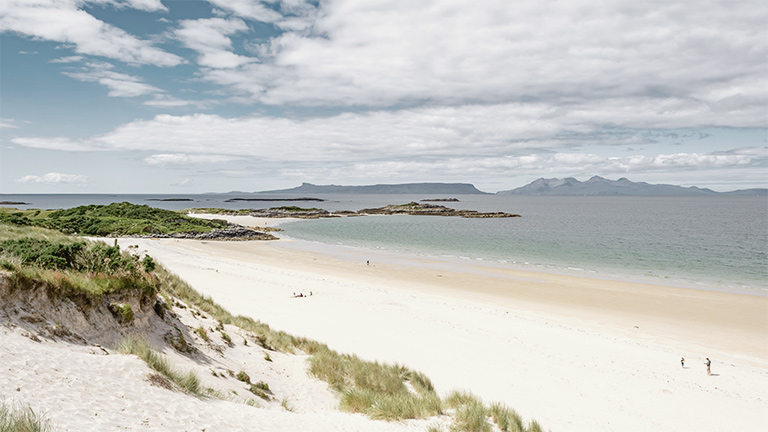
[{"x": 556, "y": 354}]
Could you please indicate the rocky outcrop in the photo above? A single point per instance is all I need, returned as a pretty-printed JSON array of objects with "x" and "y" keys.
[
  {"x": 414, "y": 208},
  {"x": 293, "y": 212},
  {"x": 231, "y": 233}
]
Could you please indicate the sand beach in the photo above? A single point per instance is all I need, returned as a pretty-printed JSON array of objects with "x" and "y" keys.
[{"x": 574, "y": 353}]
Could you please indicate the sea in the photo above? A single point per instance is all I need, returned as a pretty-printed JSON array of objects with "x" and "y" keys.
[{"x": 712, "y": 242}]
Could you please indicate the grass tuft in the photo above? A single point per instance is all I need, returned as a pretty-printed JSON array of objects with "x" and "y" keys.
[
  {"x": 22, "y": 419},
  {"x": 188, "y": 382},
  {"x": 506, "y": 418}
]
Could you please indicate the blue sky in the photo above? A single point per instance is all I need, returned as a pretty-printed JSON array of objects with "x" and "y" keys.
[{"x": 151, "y": 96}]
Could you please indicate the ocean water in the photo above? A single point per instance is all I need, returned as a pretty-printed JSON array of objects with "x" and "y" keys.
[
  {"x": 712, "y": 242},
  {"x": 707, "y": 242}
]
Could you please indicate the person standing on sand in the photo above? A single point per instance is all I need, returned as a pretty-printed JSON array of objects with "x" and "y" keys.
[
  {"x": 708, "y": 363},
  {"x": 682, "y": 362}
]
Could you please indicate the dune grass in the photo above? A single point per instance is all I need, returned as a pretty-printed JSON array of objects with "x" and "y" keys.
[
  {"x": 172, "y": 285},
  {"x": 380, "y": 391},
  {"x": 22, "y": 419},
  {"x": 187, "y": 382}
]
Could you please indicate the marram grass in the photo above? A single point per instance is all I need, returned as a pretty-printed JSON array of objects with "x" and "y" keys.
[
  {"x": 188, "y": 382},
  {"x": 22, "y": 419},
  {"x": 381, "y": 391}
]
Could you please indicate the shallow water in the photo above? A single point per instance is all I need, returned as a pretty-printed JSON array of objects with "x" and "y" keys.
[{"x": 719, "y": 242}]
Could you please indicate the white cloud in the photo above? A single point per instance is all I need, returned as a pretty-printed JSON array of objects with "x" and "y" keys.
[
  {"x": 495, "y": 138},
  {"x": 209, "y": 38},
  {"x": 63, "y": 21},
  {"x": 54, "y": 178},
  {"x": 145, "y": 5},
  {"x": 164, "y": 101},
  {"x": 389, "y": 52},
  {"x": 252, "y": 9},
  {"x": 68, "y": 59},
  {"x": 187, "y": 159},
  {"x": 119, "y": 84},
  {"x": 6, "y": 123}
]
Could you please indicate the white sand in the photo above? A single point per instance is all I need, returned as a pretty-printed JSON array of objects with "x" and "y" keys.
[
  {"x": 86, "y": 388},
  {"x": 576, "y": 354}
]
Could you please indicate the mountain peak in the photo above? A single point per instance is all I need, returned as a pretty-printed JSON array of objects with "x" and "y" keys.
[{"x": 597, "y": 185}]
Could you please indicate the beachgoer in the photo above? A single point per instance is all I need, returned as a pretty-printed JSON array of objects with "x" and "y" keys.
[
  {"x": 708, "y": 363},
  {"x": 367, "y": 263},
  {"x": 682, "y": 362}
]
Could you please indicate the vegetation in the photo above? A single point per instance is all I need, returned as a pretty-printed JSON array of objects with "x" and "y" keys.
[
  {"x": 295, "y": 209},
  {"x": 242, "y": 376},
  {"x": 188, "y": 382},
  {"x": 85, "y": 271},
  {"x": 22, "y": 419},
  {"x": 81, "y": 271},
  {"x": 203, "y": 333},
  {"x": 111, "y": 220},
  {"x": 212, "y": 210}
]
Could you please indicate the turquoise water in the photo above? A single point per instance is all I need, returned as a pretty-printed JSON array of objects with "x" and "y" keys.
[{"x": 718, "y": 242}]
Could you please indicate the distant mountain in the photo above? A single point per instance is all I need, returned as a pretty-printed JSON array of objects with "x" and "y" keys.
[
  {"x": 601, "y": 186},
  {"x": 407, "y": 188}
]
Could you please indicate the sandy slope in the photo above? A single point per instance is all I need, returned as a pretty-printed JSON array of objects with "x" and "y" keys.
[
  {"x": 82, "y": 387},
  {"x": 577, "y": 354}
]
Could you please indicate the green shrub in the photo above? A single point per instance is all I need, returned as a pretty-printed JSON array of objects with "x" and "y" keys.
[{"x": 149, "y": 264}]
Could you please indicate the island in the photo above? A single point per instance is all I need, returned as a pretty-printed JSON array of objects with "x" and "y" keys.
[
  {"x": 275, "y": 199},
  {"x": 411, "y": 208}
]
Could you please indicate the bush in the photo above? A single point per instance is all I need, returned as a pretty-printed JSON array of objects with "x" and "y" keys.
[{"x": 149, "y": 264}]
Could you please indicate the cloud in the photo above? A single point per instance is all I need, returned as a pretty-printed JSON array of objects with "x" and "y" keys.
[
  {"x": 145, "y": 5},
  {"x": 164, "y": 101},
  {"x": 186, "y": 159},
  {"x": 68, "y": 59},
  {"x": 433, "y": 144},
  {"x": 437, "y": 132},
  {"x": 63, "y": 21},
  {"x": 54, "y": 178},
  {"x": 119, "y": 84},
  {"x": 387, "y": 53},
  {"x": 209, "y": 38},
  {"x": 6, "y": 123},
  {"x": 254, "y": 10}
]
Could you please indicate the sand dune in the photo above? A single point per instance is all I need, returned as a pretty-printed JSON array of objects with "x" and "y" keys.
[{"x": 576, "y": 354}]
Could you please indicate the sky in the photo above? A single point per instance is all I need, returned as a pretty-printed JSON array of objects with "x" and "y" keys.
[{"x": 156, "y": 96}]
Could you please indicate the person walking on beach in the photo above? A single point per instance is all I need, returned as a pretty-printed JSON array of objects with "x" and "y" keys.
[
  {"x": 682, "y": 362},
  {"x": 708, "y": 363}
]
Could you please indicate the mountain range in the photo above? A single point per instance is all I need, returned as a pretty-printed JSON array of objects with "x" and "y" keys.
[
  {"x": 595, "y": 186},
  {"x": 599, "y": 186},
  {"x": 406, "y": 188}
]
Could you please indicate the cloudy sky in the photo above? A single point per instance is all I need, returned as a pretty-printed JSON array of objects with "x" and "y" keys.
[{"x": 157, "y": 96}]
